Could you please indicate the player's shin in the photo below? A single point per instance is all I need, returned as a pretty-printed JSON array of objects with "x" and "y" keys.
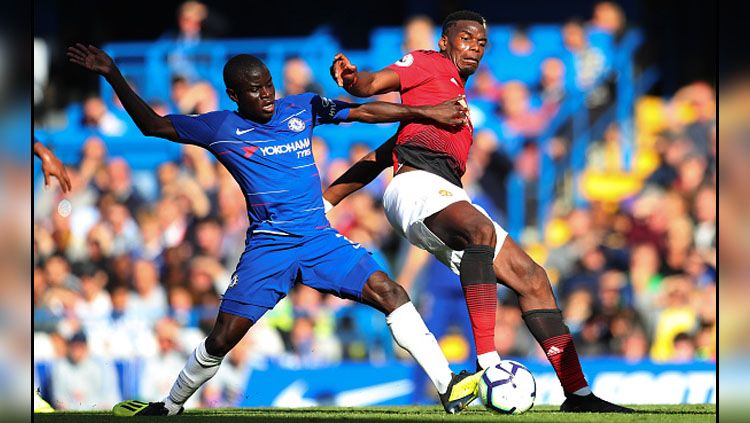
[
  {"x": 200, "y": 367},
  {"x": 411, "y": 333},
  {"x": 480, "y": 292},
  {"x": 553, "y": 335}
]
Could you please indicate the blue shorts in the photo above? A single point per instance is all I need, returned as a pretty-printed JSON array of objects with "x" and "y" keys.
[{"x": 272, "y": 264}]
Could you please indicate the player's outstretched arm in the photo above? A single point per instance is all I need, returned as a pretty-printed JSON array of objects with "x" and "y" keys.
[
  {"x": 362, "y": 84},
  {"x": 147, "y": 120},
  {"x": 52, "y": 166},
  {"x": 361, "y": 173},
  {"x": 450, "y": 112}
]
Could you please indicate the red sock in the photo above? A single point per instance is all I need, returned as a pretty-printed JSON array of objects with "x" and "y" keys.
[
  {"x": 480, "y": 291},
  {"x": 550, "y": 331},
  {"x": 481, "y": 300},
  {"x": 561, "y": 353}
]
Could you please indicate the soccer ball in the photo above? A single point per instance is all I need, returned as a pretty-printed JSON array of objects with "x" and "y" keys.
[{"x": 507, "y": 388}]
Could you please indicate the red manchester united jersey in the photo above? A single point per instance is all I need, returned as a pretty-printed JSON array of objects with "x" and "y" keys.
[{"x": 427, "y": 78}]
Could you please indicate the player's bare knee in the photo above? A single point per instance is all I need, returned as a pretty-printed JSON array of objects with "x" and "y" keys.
[
  {"x": 388, "y": 294},
  {"x": 218, "y": 344},
  {"x": 482, "y": 232}
]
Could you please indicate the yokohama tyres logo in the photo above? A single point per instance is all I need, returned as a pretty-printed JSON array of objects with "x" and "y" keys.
[{"x": 249, "y": 151}]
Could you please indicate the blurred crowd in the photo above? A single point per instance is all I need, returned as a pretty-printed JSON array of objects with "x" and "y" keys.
[{"x": 136, "y": 267}]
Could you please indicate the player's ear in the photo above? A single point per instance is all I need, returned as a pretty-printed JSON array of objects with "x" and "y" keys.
[
  {"x": 443, "y": 42},
  {"x": 232, "y": 95}
]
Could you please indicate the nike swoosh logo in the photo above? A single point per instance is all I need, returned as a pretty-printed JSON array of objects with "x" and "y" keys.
[{"x": 238, "y": 132}]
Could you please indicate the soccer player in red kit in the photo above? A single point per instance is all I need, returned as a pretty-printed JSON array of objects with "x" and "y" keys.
[{"x": 426, "y": 203}]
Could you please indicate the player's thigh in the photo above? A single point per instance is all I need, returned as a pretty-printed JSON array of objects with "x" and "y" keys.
[
  {"x": 331, "y": 263},
  {"x": 423, "y": 237},
  {"x": 265, "y": 273},
  {"x": 456, "y": 224}
]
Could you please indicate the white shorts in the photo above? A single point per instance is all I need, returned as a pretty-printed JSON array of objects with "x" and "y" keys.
[{"x": 413, "y": 196}]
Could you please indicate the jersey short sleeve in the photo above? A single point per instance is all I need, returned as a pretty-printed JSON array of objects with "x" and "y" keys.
[
  {"x": 198, "y": 129},
  {"x": 413, "y": 69},
  {"x": 326, "y": 110}
]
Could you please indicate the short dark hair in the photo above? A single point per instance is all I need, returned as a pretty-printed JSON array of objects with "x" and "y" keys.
[
  {"x": 238, "y": 67},
  {"x": 462, "y": 15}
]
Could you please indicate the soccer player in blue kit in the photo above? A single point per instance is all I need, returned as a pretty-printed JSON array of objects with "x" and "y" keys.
[{"x": 265, "y": 144}]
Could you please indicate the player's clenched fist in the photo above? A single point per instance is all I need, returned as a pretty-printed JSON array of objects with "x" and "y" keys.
[
  {"x": 343, "y": 71},
  {"x": 451, "y": 112}
]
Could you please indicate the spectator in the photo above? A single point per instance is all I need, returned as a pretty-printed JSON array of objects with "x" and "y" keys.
[
  {"x": 419, "y": 34},
  {"x": 197, "y": 97},
  {"x": 209, "y": 240},
  {"x": 609, "y": 17},
  {"x": 551, "y": 88},
  {"x": 588, "y": 61},
  {"x": 194, "y": 24},
  {"x": 635, "y": 346},
  {"x": 495, "y": 168},
  {"x": 578, "y": 308},
  {"x": 181, "y": 307},
  {"x": 298, "y": 78},
  {"x": 173, "y": 221},
  {"x": 149, "y": 298},
  {"x": 671, "y": 151},
  {"x": 152, "y": 246},
  {"x": 684, "y": 348},
  {"x": 676, "y": 316},
  {"x": 699, "y": 101},
  {"x": 94, "y": 157},
  {"x": 321, "y": 155},
  {"x": 121, "y": 185},
  {"x": 81, "y": 383},
  {"x": 94, "y": 306},
  {"x": 484, "y": 87},
  {"x": 96, "y": 117},
  {"x": 125, "y": 236},
  {"x": 519, "y": 121},
  {"x": 705, "y": 215}
]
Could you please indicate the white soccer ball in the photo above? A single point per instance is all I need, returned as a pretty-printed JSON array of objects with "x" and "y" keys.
[{"x": 507, "y": 388}]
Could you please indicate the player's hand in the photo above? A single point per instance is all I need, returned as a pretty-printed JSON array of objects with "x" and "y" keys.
[
  {"x": 91, "y": 58},
  {"x": 343, "y": 71},
  {"x": 52, "y": 166},
  {"x": 452, "y": 112}
]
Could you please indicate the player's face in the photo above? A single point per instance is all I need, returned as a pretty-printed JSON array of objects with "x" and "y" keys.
[
  {"x": 255, "y": 96},
  {"x": 464, "y": 44}
]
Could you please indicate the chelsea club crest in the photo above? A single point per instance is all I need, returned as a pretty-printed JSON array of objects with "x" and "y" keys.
[{"x": 296, "y": 124}]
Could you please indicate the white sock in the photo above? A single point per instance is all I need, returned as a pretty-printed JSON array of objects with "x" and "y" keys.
[
  {"x": 200, "y": 367},
  {"x": 410, "y": 332},
  {"x": 583, "y": 391},
  {"x": 488, "y": 359}
]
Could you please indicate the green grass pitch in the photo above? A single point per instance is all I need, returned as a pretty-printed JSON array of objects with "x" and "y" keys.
[{"x": 648, "y": 413}]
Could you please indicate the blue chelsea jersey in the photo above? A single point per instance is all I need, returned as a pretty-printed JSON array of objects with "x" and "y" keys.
[{"x": 272, "y": 162}]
